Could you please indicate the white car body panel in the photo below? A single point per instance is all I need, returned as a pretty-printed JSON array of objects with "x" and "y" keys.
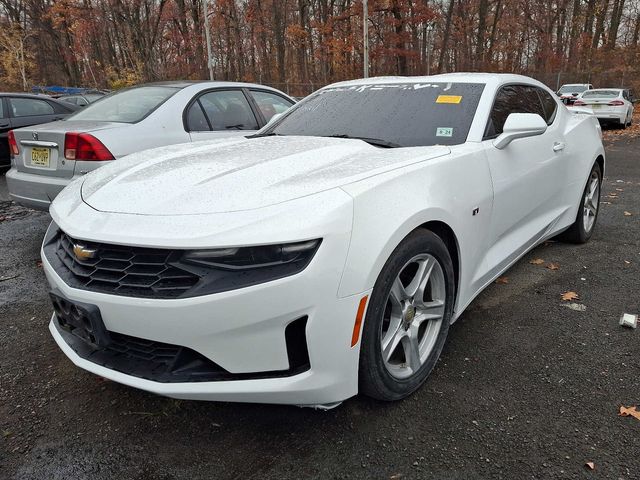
[
  {"x": 601, "y": 108},
  {"x": 361, "y": 200}
]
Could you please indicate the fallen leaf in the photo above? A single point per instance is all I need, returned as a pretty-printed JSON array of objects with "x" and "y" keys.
[
  {"x": 629, "y": 412},
  {"x": 537, "y": 261},
  {"x": 553, "y": 266},
  {"x": 502, "y": 280},
  {"x": 619, "y": 189},
  {"x": 627, "y": 214},
  {"x": 590, "y": 465},
  {"x": 605, "y": 203},
  {"x": 39, "y": 263},
  {"x": 570, "y": 296},
  {"x": 627, "y": 262}
]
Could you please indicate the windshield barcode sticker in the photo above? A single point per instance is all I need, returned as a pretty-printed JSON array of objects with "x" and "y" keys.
[{"x": 444, "y": 132}]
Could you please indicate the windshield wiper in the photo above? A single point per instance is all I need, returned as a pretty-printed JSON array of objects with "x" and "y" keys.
[
  {"x": 270, "y": 134},
  {"x": 378, "y": 142}
]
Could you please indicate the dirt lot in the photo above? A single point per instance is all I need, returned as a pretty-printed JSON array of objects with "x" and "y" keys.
[{"x": 526, "y": 387}]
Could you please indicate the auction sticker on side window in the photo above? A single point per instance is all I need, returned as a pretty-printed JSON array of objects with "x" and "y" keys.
[
  {"x": 444, "y": 132},
  {"x": 449, "y": 99}
]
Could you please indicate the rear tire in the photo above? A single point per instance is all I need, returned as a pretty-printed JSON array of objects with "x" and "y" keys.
[
  {"x": 582, "y": 229},
  {"x": 408, "y": 318}
]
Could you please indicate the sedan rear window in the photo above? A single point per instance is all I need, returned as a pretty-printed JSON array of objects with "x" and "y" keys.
[
  {"x": 601, "y": 94},
  {"x": 403, "y": 115},
  {"x": 126, "y": 106}
]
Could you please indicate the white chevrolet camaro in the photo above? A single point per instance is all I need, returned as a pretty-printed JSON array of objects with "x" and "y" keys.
[{"x": 324, "y": 256}]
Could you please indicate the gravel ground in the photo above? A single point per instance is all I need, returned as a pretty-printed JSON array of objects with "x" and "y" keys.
[{"x": 526, "y": 387}]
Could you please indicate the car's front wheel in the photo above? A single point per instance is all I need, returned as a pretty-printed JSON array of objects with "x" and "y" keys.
[{"x": 408, "y": 318}]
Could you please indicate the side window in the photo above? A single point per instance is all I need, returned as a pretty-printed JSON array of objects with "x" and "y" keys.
[
  {"x": 28, "y": 107},
  {"x": 228, "y": 110},
  {"x": 196, "y": 121},
  {"x": 549, "y": 104},
  {"x": 512, "y": 99},
  {"x": 270, "y": 103},
  {"x": 2, "y": 115},
  {"x": 60, "y": 107}
]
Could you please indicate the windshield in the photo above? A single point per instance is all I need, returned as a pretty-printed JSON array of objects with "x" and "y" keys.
[
  {"x": 127, "y": 106},
  {"x": 403, "y": 115},
  {"x": 572, "y": 88},
  {"x": 601, "y": 94}
]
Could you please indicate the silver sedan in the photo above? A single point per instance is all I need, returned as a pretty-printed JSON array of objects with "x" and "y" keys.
[{"x": 45, "y": 158}]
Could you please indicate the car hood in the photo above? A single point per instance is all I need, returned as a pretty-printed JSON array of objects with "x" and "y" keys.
[{"x": 238, "y": 174}]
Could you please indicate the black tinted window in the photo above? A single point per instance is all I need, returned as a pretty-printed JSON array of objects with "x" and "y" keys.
[
  {"x": 228, "y": 110},
  {"x": 549, "y": 104},
  {"x": 512, "y": 99},
  {"x": 407, "y": 114},
  {"x": 28, "y": 107},
  {"x": 196, "y": 121}
]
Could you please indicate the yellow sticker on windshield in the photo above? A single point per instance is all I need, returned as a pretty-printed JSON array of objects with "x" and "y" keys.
[{"x": 449, "y": 99}]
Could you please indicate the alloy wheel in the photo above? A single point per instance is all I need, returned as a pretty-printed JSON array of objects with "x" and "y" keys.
[
  {"x": 412, "y": 316},
  {"x": 591, "y": 202}
]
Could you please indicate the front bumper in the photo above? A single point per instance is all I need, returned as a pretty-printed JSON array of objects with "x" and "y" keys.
[
  {"x": 34, "y": 191},
  {"x": 243, "y": 330}
]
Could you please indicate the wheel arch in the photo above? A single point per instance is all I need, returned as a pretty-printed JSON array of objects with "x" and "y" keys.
[
  {"x": 600, "y": 161},
  {"x": 448, "y": 236}
]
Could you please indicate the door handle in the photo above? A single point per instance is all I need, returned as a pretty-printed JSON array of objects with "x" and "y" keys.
[{"x": 558, "y": 146}]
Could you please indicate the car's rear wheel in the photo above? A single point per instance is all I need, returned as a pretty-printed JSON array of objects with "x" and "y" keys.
[
  {"x": 408, "y": 318},
  {"x": 582, "y": 228}
]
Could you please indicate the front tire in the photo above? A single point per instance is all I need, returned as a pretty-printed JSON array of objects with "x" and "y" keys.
[
  {"x": 582, "y": 229},
  {"x": 408, "y": 318}
]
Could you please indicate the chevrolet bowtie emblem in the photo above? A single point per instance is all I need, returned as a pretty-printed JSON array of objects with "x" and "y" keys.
[{"x": 83, "y": 253}]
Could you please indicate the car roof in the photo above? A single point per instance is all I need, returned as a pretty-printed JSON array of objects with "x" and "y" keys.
[
  {"x": 494, "y": 79},
  {"x": 25, "y": 95},
  {"x": 606, "y": 89},
  {"x": 212, "y": 83}
]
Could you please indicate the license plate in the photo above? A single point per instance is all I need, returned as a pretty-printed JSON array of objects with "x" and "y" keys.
[
  {"x": 40, "y": 157},
  {"x": 595, "y": 107}
]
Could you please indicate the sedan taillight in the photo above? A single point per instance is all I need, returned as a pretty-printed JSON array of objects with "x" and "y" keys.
[
  {"x": 616, "y": 103},
  {"x": 83, "y": 146},
  {"x": 13, "y": 145},
  {"x": 579, "y": 103}
]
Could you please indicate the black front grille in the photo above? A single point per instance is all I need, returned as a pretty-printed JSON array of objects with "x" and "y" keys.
[
  {"x": 82, "y": 328},
  {"x": 121, "y": 270}
]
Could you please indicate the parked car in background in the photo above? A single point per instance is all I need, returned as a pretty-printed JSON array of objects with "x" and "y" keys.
[
  {"x": 48, "y": 157},
  {"x": 21, "y": 110},
  {"x": 610, "y": 105},
  {"x": 568, "y": 93},
  {"x": 326, "y": 255},
  {"x": 81, "y": 100}
]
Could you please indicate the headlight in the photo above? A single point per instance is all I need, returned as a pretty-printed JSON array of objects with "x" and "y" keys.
[{"x": 223, "y": 269}]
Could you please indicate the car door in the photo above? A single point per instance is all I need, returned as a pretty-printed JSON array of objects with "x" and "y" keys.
[
  {"x": 26, "y": 111},
  {"x": 269, "y": 103},
  {"x": 528, "y": 175},
  {"x": 220, "y": 114},
  {"x": 5, "y": 126}
]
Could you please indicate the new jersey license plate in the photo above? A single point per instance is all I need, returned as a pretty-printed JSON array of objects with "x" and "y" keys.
[{"x": 40, "y": 157}]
